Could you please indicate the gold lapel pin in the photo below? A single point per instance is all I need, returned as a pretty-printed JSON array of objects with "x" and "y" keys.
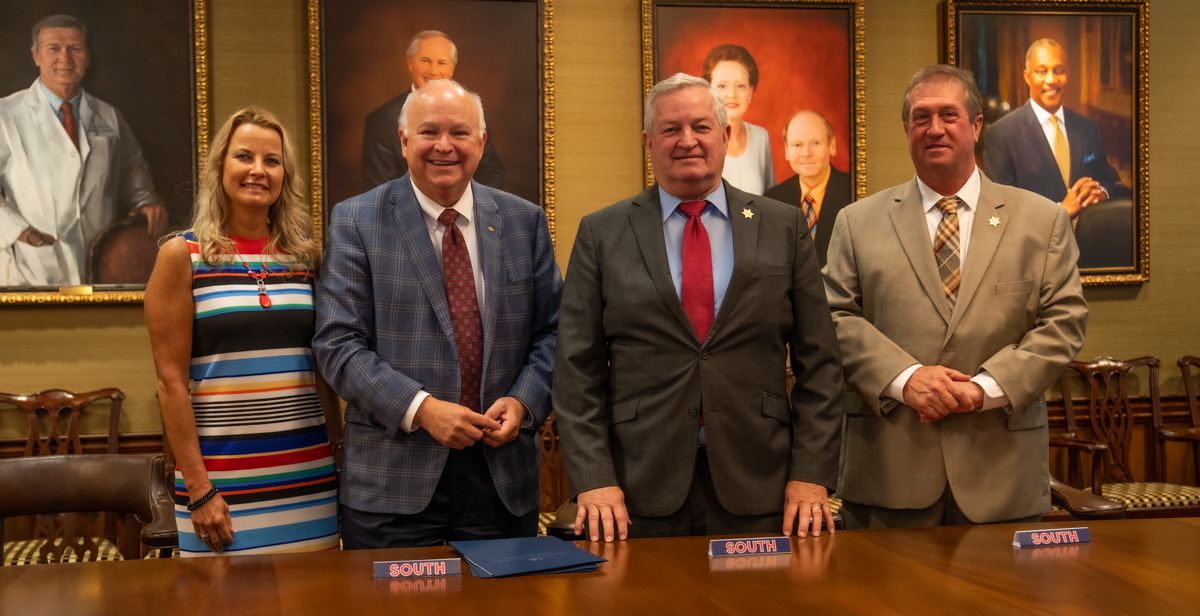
[
  {"x": 490, "y": 229},
  {"x": 747, "y": 213},
  {"x": 994, "y": 221}
]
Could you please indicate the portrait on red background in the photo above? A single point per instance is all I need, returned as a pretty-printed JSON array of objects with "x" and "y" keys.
[
  {"x": 1064, "y": 92},
  {"x": 374, "y": 52},
  {"x": 791, "y": 77}
]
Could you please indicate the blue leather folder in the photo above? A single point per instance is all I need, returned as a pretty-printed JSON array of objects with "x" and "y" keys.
[{"x": 524, "y": 556}]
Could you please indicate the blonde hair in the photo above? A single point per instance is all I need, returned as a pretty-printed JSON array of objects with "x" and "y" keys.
[{"x": 289, "y": 220}]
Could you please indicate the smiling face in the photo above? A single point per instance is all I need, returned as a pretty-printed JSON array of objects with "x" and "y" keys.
[
  {"x": 686, "y": 143},
  {"x": 1046, "y": 76},
  {"x": 941, "y": 137},
  {"x": 808, "y": 146},
  {"x": 62, "y": 58},
  {"x": 442, "y": 142},
  {"x": 253, "y": 173},
  {"x": 434, "y": 60},
  {"x": 732, "y": 81}
]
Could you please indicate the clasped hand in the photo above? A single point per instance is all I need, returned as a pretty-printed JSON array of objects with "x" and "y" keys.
[
  {"x": 937, "y": 391},
  {"x": 457, "y": 426}
]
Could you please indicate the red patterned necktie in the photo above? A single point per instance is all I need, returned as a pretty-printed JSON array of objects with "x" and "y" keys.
[
  {"x": 464, "y": 308},
  {"x": 697, "y": 270},
  {"x": 810, "y": 213},
  {"x": 68, "y": 122}
]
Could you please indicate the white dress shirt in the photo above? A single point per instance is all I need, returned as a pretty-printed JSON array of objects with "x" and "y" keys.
[
  {"x": 993, "y": 395},
  {"x": 430, "y": 211}
]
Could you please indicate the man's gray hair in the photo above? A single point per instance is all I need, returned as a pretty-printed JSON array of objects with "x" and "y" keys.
[
  {"x": 1040, "y": 43},
  {"x": 402, "y": 123},
  {"x": 415, "y": 43},
  {"x": 675, "y": 83},
  {"x": 972, "y": 100},
  {"x": 59, "y": 21}
]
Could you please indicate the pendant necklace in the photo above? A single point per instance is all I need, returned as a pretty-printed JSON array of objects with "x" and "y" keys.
[{"x": 260, "y": 278}]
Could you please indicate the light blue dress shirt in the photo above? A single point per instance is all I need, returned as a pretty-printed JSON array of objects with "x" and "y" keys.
[
  {"x": 715, "y": 218},
  {"x": 56, "y": 102}
]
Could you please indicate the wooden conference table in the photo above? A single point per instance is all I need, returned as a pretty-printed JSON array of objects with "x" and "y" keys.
[{"x": 1131, "y": 567}]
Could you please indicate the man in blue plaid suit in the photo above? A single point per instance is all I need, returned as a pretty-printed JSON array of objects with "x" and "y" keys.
[{"x": 433, "y": 453}]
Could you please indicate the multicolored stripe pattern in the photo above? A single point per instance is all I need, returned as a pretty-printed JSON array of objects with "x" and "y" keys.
[{"x": 261, "y": 430}]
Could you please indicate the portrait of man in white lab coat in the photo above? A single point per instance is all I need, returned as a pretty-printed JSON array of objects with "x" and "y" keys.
[{"x": 70, "y": 167}]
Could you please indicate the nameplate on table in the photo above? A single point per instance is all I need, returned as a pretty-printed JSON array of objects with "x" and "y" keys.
[
  {"x": 389, "y": 569},
  {"x": 1051, "y": 536},
  {"x": 756, "y": 545}
]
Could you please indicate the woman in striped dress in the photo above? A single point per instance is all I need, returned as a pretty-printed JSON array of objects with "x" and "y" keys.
[{"x": 230, "y": 312}]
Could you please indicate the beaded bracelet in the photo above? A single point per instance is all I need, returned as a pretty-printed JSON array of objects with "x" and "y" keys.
[{"x": 199, "y": 502}]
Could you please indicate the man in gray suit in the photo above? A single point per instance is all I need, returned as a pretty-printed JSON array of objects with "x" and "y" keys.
[
  {"x": 436, "y": 316},
  {"x": 957, "y": 302},
  {"x": 678, "y": 316}
]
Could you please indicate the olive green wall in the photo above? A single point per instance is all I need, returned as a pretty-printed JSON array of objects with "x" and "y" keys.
[{"x": 259, "y": 55}]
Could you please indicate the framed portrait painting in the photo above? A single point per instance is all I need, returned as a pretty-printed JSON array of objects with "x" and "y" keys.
[
  {"x": 1065, "y": 90},
  {"x": 370, "y": 54},
  {"x": 103, "y": 114},
  {"x": 791, "y": 74}
]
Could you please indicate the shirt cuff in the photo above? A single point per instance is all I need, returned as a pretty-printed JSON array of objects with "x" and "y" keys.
[
  {"x": 993, "y": 395},
  {"x": 895, "y": 389},
  {"x": 406, "y": 424}
]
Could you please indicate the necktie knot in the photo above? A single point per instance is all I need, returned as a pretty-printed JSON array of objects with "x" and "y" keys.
[
  {"x": 65, "y": 107},
  {"x": 448, "y": 217},
  {"x": 948, "y": 205},
  {"x": 692, "y": 209}
]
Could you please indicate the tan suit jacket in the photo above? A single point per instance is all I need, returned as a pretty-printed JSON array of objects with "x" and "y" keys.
[{"x": 1020, "y": 315}]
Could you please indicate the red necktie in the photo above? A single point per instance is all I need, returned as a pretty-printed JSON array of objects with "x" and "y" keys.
[
  {"x": 68, "y": 122},
  {"x": 697, "y": 270},
  {"x": 464, "y": 308}
]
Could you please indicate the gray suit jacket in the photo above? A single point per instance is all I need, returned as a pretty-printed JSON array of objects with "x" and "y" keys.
[
  {"x": 630, "y": 373},
  {"x": 1020, "y": 315},
  {"x": 384, "y": 333}
]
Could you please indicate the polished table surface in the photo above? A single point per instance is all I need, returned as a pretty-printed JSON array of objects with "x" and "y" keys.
[{"x": 1131, "y": 567}]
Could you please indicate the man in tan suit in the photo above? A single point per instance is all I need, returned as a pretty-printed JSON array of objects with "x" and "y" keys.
[{"x": 956, "y": 302}]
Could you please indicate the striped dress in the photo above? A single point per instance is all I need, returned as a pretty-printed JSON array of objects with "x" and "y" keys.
[{"x": 262, "y": 434}]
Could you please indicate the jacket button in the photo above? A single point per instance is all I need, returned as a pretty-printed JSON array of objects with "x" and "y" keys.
[
  {"x": 692, "y": 412},
  {"x": 704, "y": 355}
]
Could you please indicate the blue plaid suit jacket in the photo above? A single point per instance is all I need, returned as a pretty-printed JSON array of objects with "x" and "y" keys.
[{"x": 384, "y": 333}]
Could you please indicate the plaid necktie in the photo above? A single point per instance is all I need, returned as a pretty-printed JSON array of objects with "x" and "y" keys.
[
  {"x": 945, "y": 248},
  {"x": 808, "y": 204},
  {"x": 464, "y": 308}
]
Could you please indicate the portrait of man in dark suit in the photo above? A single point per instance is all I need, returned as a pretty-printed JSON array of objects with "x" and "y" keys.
[
  {"x": 430, "y": 55},
  {"x": 818, "y": 189},
  {"x": 1046, "y": 148}
]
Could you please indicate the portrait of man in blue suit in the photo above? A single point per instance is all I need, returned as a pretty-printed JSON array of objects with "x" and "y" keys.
[{"x": 437, "y": 310}]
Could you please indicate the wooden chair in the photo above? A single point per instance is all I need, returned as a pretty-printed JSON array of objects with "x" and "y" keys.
[
  {"x": 1189, "y": 435},
  {"x": 55, "y": 403},
  {"x": 1111, "y": 418},
  {"x": 42, "y": 485}
]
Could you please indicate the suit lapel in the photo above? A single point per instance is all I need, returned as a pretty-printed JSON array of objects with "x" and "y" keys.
[
  {"x": 414, "y": 236},
  {"x": 908, "y": 217},
  {"x": 489, "y": 231},
  {"x": 646, "y": 220},
  {"x": 745, "y": 250},
  {"x": 985, "y": 237}
]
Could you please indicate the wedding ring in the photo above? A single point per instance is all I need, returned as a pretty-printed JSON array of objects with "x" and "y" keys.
[
  {"x": 816, "y": 507},
  {"x": 204, "y": 537}
]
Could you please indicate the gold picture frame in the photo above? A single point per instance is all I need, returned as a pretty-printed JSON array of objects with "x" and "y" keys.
[
  {"x": 844, "y": 15},
  {"x": 333, "y": 124},
  {"x": 193, "y": 15},
  {"x": 1099, "y": 52}
]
